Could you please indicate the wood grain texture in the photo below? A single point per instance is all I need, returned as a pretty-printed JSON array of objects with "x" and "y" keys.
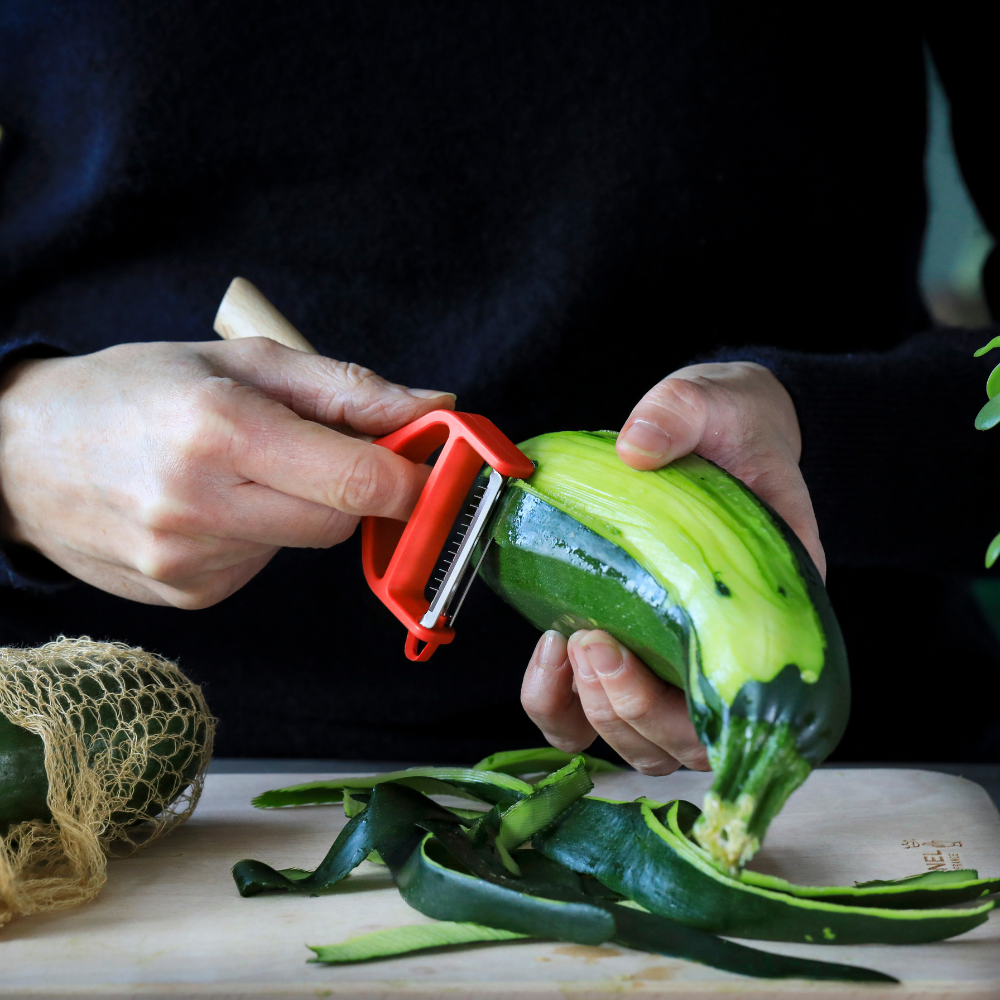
[
  {"x": 170, "y": 924},
  {"x": 245, "y": 312}
]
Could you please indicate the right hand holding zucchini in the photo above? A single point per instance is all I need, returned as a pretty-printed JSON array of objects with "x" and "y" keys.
[{"x": 739, "y": 416}]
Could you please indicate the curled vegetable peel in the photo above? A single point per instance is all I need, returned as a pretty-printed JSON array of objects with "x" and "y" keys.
[{"x": 625, "y": 872}]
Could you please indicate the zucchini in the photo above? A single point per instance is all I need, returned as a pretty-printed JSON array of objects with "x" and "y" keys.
[
  {"x": 702, "y": 580},
  {"x": 407, "y": 940},
  {"x": 169, "y": 769},
  {"x": 24, "y": 783},
  {"x": 480, "y": 784},
  {"x": 103, "y": 748},
  {"x": 24, "y": 786}
]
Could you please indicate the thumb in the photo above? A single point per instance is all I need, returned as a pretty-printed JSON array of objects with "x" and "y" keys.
[
  {"x": 668, "y": 422},
  {"x": 335, "y": 393},
  {"x": 738, "y": 415}
]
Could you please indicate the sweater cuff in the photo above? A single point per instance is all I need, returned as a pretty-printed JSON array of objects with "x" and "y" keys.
[{"x": 20, "y": 566}]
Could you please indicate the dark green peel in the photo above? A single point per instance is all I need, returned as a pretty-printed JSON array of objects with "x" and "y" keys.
[
  {"x": 924, "y": 891},
  {"x": 456, "y": 876},
  {"x": 641, "y": 850},
  {"x": 24, "y": 785},
  {"x": 540, "y": 760},
  {"x": 495, "y": 788}
]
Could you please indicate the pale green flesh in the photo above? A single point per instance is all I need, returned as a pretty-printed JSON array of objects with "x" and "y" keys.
[
  {"x": 698, "y": 534},
  {"x": 402, "y": 940}
]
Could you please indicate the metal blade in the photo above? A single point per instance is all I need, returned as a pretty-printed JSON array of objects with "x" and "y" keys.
[{"x": 454, "y": 572}]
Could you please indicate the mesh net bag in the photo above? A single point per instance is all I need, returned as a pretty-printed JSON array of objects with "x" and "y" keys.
[{"x": 127, "y": 738}]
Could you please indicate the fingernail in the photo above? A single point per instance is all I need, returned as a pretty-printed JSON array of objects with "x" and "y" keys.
[
  {"x": 646, "y": 438},
  {"x": 600, "y": 654},
  {"x": 430, "y": 393},
  {"x": 552, "y": 653}
]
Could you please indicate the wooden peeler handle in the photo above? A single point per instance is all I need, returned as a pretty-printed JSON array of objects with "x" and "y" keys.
[{"x": 244, "y": 312}]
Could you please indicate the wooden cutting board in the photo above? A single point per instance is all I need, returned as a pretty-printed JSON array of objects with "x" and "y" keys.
[{"x": 169, "y": 923}]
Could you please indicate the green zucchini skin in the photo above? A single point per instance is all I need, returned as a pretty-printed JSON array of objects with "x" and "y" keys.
[
  {"x": 560, "y": 574},
  {"x": 437, "y": 890},
  {"x": 638, "y": 849},
  {"x": 436, "y": 864},
  {"x": 549, "y": 905},
  {"x": 479, "y": 784},
  {"x": 24, "y": 785}
]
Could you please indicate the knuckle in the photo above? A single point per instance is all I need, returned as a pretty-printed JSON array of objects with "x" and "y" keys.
[
  {"x": 655, "y": 766},
  {"x": 568, "y": 744},
  {"x": 166, "y": 515},
  {"x": 364, "y": 487},
  {"x": 196, "y": 600},
  {"x": 541, "y": 714},
  {"x": 603, "y": 717},
  {"x": 206, "y": 424},
  {"x": 679, "y": 397},
  {"x": 633, "y": 706},
  {"x": 164, "y": 560},
  {"x": 257, "y": 351},
  {"x": 696, "y": 760},
  {"x": 337, "y": 528},
  {"x": 358, "y": 377},
  {"x": 343, "y": 385}
]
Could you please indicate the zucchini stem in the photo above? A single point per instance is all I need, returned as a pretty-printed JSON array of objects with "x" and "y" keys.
[{"x": 757, "y": 765}]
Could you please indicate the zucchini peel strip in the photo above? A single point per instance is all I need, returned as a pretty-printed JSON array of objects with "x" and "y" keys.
[
  {"x": 406, "y": 940},
  {"x": 641, "y": 849},
  {"x": 455, "y": 872}
]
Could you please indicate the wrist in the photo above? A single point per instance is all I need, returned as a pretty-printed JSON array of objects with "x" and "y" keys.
[{"x": 16, "y": 400}]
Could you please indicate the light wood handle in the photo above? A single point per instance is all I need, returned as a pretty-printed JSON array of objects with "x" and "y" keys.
[{"x": 245, "y": 312}]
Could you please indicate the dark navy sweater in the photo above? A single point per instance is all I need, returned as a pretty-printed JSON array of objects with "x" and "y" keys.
[{"x": 544, "y": 207}]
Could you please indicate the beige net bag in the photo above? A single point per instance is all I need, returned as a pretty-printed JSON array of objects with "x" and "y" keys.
[{"x": 127, "y": 738}]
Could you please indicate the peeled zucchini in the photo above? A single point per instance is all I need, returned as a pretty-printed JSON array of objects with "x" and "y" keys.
[{"x": 695, "y": 574}]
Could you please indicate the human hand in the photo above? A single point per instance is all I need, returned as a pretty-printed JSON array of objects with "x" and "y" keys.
[
  {"x": 171, "y": 473},
  {"x": 591, "y": 686},
  {"x": 738, "y": 415}
]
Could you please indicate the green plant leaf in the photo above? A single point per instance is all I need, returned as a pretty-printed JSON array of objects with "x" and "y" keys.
[
  {"x": 995, "y": 342},
  {"x": 993, "y": 382},
  {"x": 993, "y": 552},
  {"x": 989, "y": 415},
  {"x": 402, "y": 940}
]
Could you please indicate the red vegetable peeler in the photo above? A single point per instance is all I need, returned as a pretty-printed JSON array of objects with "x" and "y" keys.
[
  {"x": 404, "y": 562},
  {"x": 432, "y": 552}
]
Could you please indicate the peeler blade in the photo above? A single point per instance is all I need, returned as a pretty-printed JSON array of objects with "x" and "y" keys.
[{"x": 455, "y": 569}]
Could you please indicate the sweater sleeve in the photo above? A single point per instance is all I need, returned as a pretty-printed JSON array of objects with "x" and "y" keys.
[
  {"x": 21, "y": 566},
  {"x": 896, "y": 470}
]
